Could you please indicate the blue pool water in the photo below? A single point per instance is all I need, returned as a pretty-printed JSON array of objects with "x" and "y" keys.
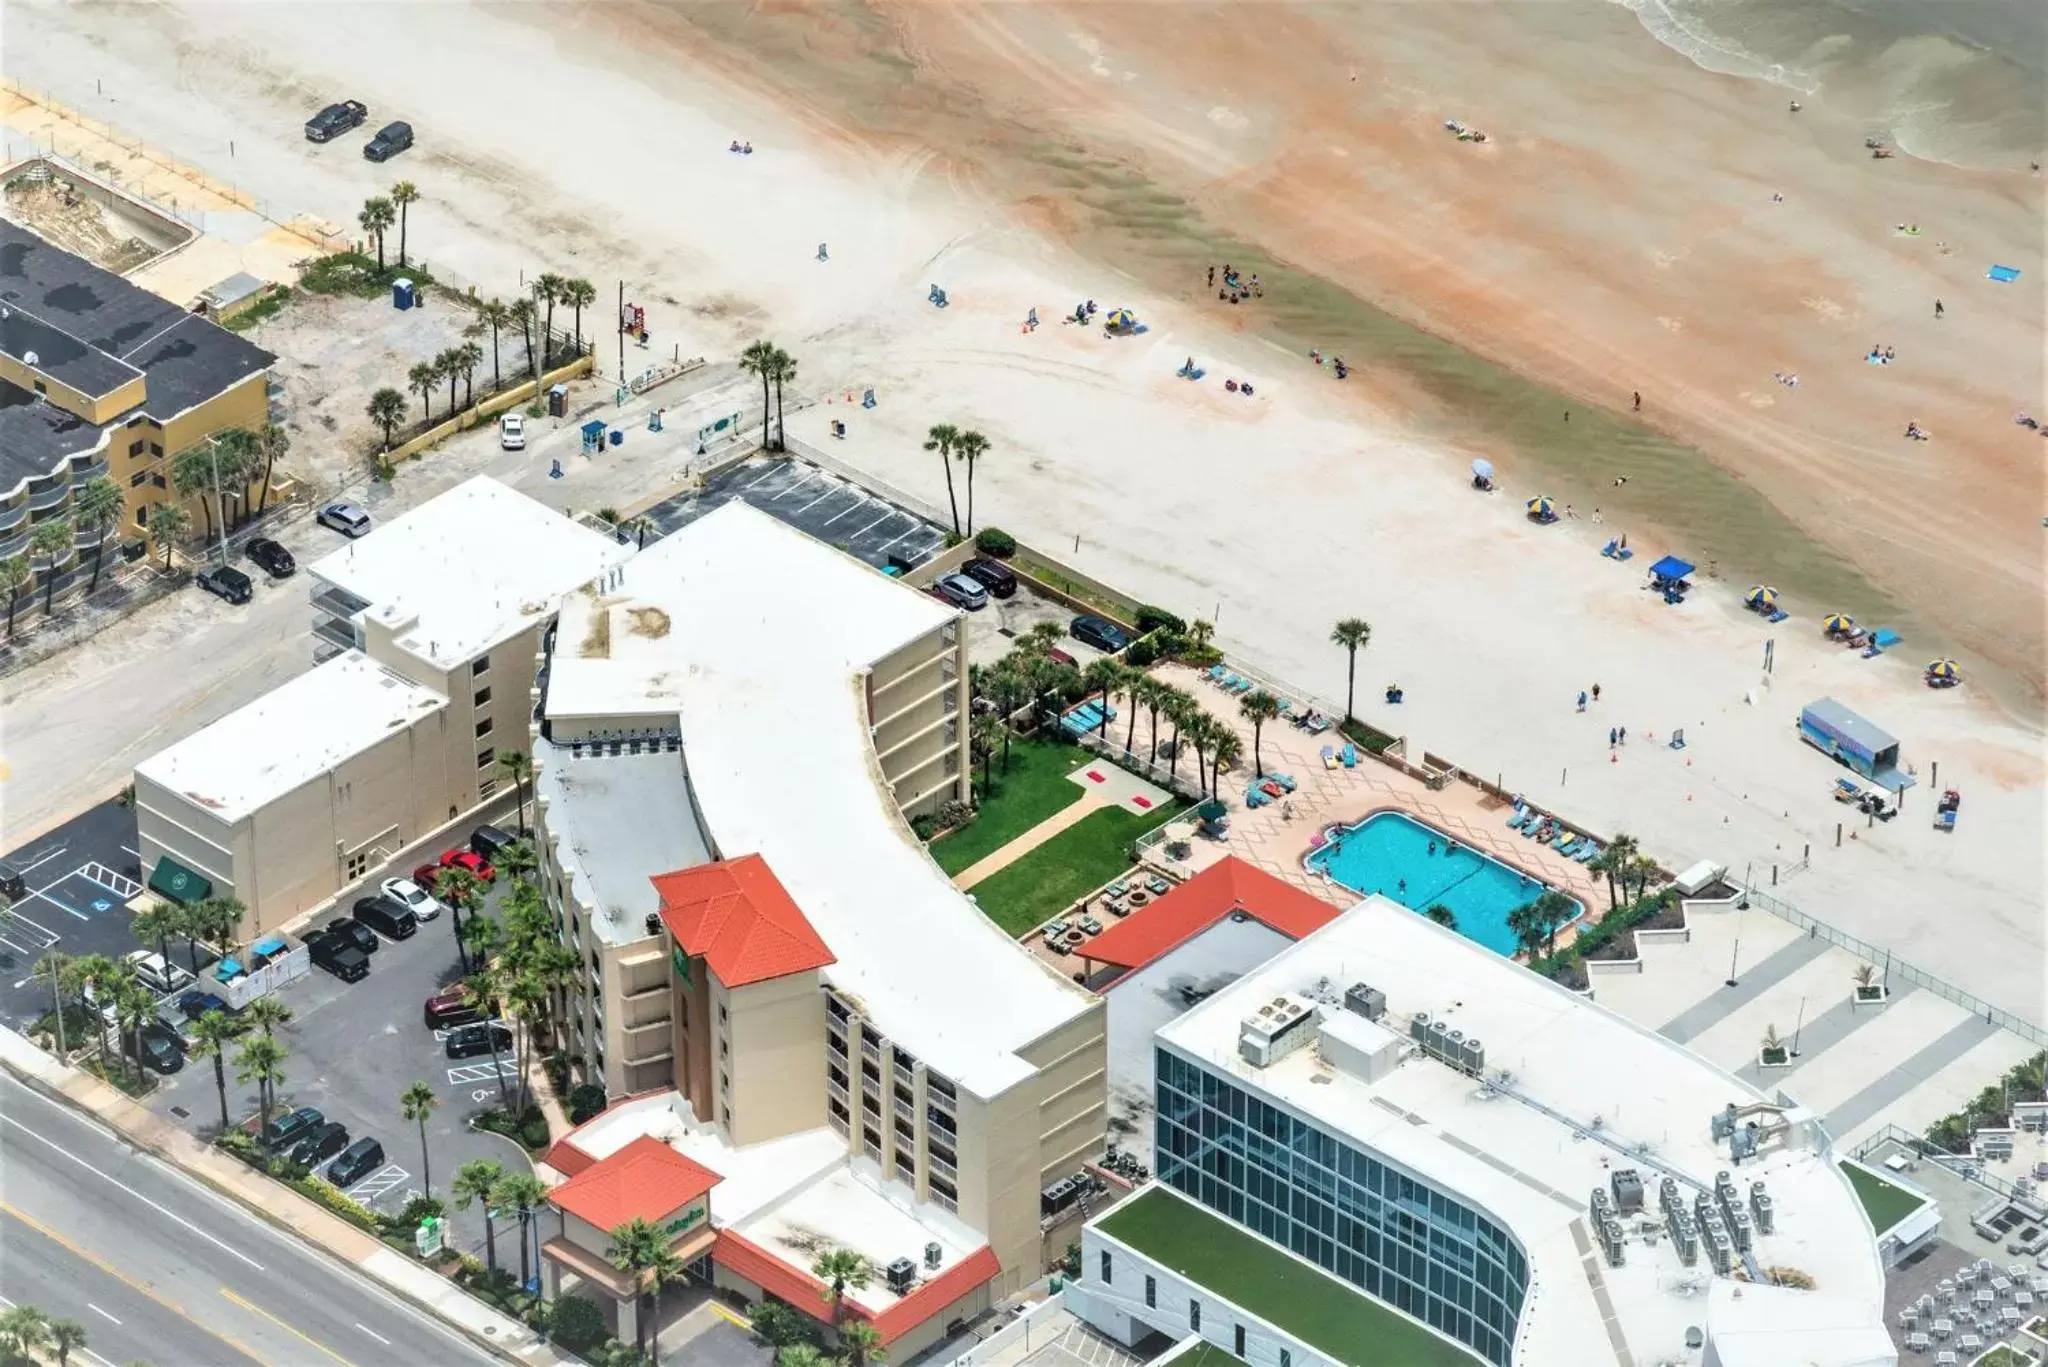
[{"x": 1389, "y": 849}]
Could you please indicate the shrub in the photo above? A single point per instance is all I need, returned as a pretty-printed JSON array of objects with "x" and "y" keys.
[
  {"x": 418, "y": 1209},
  {"x": 1141, "y": 654},
  {"x": 779, "y": 1325},
  {"x": 534, "y": 1133},
  {"x": 924, "y": 825},
  {"x": 953, "y": 813},
  {"x": 355, "y": 1212},
  {"x": 996, "y": 542},
  {"x": 1152, "y": 618},
  {"x": 576, "y": 1324},
  {"x": 585, "y": 1101}
]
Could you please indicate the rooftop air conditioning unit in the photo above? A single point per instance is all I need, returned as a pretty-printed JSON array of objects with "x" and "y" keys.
[
  {"x": 1276, "y": 1030},
  {"x": 933, "y": 1256},
  {"x": 1418, "y": 1026},
  {"x": 1611, "y": 1243},
  {"x": 1628, "y": 1190},
  {"x": 1761, "y": 1208},
  {"x": 654, "y": 923},
  {"x": 901, "y": 1275},
  {"x": 1667, "y": 1196},
  {"x": 1368, "y": 1002},
  {"x": 1474, "y": 1060}
]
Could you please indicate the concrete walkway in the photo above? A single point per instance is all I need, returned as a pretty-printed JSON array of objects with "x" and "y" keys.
[
  {"x": 1752, "y": 980},
  {"x": 1907, "y": 1074},
  {"x": 1070, "y": 815}
]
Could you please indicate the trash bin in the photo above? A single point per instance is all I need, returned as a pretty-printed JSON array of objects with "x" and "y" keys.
[
  {"x": 618, "y": 437},
  {"x": 401, "y": 294}
]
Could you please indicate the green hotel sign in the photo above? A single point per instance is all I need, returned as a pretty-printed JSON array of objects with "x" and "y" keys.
[
  {"x": 689, "y": 1218},
  {"x": 682, "y": 963}
]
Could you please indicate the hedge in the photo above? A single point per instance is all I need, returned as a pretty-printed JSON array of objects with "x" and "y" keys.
[{"x": 996, "y": 542}]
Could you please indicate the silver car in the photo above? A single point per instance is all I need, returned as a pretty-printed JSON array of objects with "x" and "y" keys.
[
  {"x": 345, "y": 518},
  {"x": 961, "y": 591}
]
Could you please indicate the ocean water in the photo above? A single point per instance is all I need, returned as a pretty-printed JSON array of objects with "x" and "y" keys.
[{"x": 1959, "y": 81}]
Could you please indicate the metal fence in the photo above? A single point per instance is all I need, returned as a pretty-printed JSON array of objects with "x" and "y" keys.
[{"x": 1963, "y": 1165}]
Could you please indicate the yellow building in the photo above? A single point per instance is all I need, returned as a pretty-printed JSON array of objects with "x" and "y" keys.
[{"x": 99, "y": 377}]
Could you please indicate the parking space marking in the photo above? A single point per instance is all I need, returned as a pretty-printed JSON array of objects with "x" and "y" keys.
[
  {"x": 766, "y": 470},
  {"x": 31, "y": 868},
  {"x": 794, "y": 487},
  {"x": 378, "y": 1183},
  {"x": 118, "y": 884},
  {"x": 829, "y": 493},
  {"x": 855, "y": 507},
  {"x": 912, "y": 529},
  {"x": 483, "y": 1072},
  {"x": 876, "y": 523},
  {"x": 45, "y": 893}
]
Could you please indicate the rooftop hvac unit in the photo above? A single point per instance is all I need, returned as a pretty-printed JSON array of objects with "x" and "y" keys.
[
  {"x": 1628, "y": 1190},
  {"x": 1276, "y": 1030},
  {"x": 1720, "y": 1251},
  {"x": 1684, "y": 1237},
  {"x": 1611, "y": 1243},
  {"x": 901, "y": 1276},
  {"x": 1368, "y": 1002},
  {"x": 933, "y": 1256},
  {"x": 1439, "y": 1033},
  {"x": 1474, "y": 1061},
  {"x": 1761, "y": 1209},
  {"x": 654, "y": 923},
  {"x": 1667, "y": 1196},
  {"x": 1418, "y": 1027},
  {"x": 1602, "y": 1206},
  {"x": 1743, "y": 1231},
  {"x": 1057, "y": 1197}
]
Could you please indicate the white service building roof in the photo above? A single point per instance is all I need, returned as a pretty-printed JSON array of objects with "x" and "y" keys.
[
  {"x": 291, "y": 735},
  {"x": 468, "y": 568},
  {"x": 617, "y": 819},
  {"x": 763, "y": 640},
  {"x": 1528, "y": 1169}
]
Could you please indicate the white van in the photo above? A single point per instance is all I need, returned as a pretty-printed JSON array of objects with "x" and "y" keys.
[{"x": 512, "y": 432}]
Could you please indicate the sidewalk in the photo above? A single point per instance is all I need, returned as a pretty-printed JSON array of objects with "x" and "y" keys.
[
  {"x": 278, "y": 1204},
  {"x": 1024, "y": 844}
]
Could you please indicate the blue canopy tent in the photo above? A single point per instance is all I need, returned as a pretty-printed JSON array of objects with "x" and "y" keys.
[{"x": 1670, "y": 570}]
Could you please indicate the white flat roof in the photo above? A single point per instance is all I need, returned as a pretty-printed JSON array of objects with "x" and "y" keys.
[
  {"x": 757, "y": 643},
  {"x": 615, "y": 819},
  {"x": 468, "y": 568},
  {"x": 1649, "y": 1101},
  {"x": 291, "y": 735}
]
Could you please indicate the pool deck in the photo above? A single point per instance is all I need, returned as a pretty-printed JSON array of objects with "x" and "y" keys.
[{"x": 1268, "y": 838}]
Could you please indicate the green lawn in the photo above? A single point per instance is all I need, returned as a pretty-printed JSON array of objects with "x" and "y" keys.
[
  {"x": 1066, "y": 868},
  {"x": 1884, "y": 1202},
  {"x": 1247, "y": 1271},
  {"x": 1034, "y": 789}
]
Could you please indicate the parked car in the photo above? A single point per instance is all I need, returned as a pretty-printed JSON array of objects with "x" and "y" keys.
[
  {"x": 346, "y": 518},
  {"x": 469, "y": 859},
  {"x": 487, "y": 841},
  {"x": 479, "y": 1038},
  {"x": 412, "y": 897},
  {"x": 339, "y": 957},
  {"x": 391, "y": 139},
  {"x": 387, "y": 918},
  {"x": 512, "y": 432},
  {"x": 335, "y": 119},
  {"x": 320, "y": 1144},
  {"x": 357, "y": 1161},
  {"x": 962, "y": 591},
  {"x": 162, "y": 1047},
  {"x": 354, "y": 931},
  {"x": 284, "y": 1129},
  {"x": 1060, "y": 657},
  {"x": 197, "y": 1002},
  {"x": 227, "y": 582},
  {"x": 992, "y": 575},
  {"x": 1103, "y": 635},
  {"x": 158, "y": 973},
  {"x": 426, "y": 875},
  {"x": 272, "y": 557},
  {"x": 449, "y": 1009}
]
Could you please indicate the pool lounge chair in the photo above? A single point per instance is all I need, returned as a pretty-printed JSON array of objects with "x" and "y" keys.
[
  {"x": 1285, "y": 781},
  {"x": 1329, "y": 756},
  {"x": 1320, "y": 725},
  {"x": 1588, "y": 852},
  {"x": 1777, "y": 615},
  {"x": 1566, "y": 845},
  {"x": 1519, "y": 817},
  {"x": 1350, "y": 756},
  {"x": 1227, "y": 682},
  {"x": 1254, "y": 798},
  {"x": 1215, "y": 673}
]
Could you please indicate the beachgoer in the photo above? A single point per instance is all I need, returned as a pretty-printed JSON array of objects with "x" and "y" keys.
[
  {"x": 1795, "y": 106},
  {"x": 1639, "y": 400},
  {"x": 1938, "y": 309},
  {"x": 1597, "y": 517},
  {"x": 1624, "y": 542},
  {"x": 1287, "y": 811},
  {"x": 1582, "y": 700},
  {"x": 1567, "y": 415},
  {"x": 1624, "y": 735},
  {"x": 1568, "y": 511},
  {"x": 1432, "y": 847},
  {"x": 1212, "y": 277},
  {"x": 1596, "y": 692},
  {"x": 1402, "y": 885},
  {"x": 1777, "y": 198},
  {"x": 1611, "y": 738}
]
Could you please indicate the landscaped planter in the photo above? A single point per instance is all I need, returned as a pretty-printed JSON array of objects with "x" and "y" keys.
[
  {"x": 1780, "y": 1057},
  {"x": 1874, "y": 995},
  {"x": 2035, "y": 1332},
  {"x": 2001, "y": 1355}
]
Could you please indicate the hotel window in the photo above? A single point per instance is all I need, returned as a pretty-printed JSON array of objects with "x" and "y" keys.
[
  {"x": 156, "y": 448},
  {"x": 42, "y": 388},
  {"x": 483, "y": 695},
  {"x": 142, "y": 516},
  {"x": 1105, "y": 1267},
  {"x": 1151, "y": 1293},
  {"x": 487, "y": 787},
  {"x": 135, "y": 447},
  {"x": 159, "y": 481},
  {"x": 721, "y": 1013},
  {"x": 138, "y": 479},
  {"x": 484, "y": 758},
  {"x": 482, "y": 665},
  {"x": 1286, "y": 1358},
  {"x": 483, "y": 728}
]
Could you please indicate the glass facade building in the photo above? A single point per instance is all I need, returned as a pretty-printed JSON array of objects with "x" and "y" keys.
[{"x": 1375, "y": 1225}]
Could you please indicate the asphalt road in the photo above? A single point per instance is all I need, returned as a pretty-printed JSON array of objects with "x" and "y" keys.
[{"x": 162, "y": 1271}]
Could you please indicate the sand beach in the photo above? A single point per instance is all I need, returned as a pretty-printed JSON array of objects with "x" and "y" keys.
[{"x": 1616, "y": 233}]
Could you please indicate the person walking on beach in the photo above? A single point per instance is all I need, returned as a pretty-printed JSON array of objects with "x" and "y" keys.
[
  {"x": 1938, "y": 309},
  {"x": 1582, "y": 700},
  {"x": 1596, "y": 692},
  {"x": 1612, "y": 739},
  {"x": 1212, "y": 277},
  {"x": 1639, "y": 400},
  {"x": 1623, "y": 733}
]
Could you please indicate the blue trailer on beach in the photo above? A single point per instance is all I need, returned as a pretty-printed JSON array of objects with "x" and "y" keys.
[{"x": 1855, "y": 742}]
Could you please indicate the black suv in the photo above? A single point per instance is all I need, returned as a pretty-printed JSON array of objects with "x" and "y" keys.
[
  {"x": 993, "y": 576},
  {"x": 291, "y": 1125},
  {"x": 387, "y": 917},
  {"x": 320, "y": 1144},
  {"x": 467, "y": 1041},
  {"x": 357, "y": 1161},
  {"x": 275, "y": 560},
  {"x": 162, "y": 1048},
  {"x": 1103, "y": 635},
  {"x": 227, "y": 582},
  {"x": 391, "y": 139},
  {"x": 339, "y": 957},
  {"x": 490, "y": 841},
  {"x": 353, "y": 931}
]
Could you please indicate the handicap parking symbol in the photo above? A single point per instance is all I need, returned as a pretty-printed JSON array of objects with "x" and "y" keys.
[{"x": 101, "y": 904}]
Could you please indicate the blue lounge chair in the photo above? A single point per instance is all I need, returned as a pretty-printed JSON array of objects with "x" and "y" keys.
[
  {"x": 1329, "y": 756},
  {"x": 1588, "y": 852},
  {"x": 1522, "y": 817},
  {"x": 1215, "y": 673},
  {"x": 1285, "y": 781},
  {"x": 1531, "y": 831},
  {"x": 1564, "y": 839},
  {"x": 1227, "y": 682},
  {"x": 1777, "y": 615},
  {"x": 1566, "y": 845},
  {"x": 1350, "y": 757},
  {"x": 1254, "y": 798}
]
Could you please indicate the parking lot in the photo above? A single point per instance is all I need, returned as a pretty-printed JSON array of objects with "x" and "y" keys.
[
  {"x": 351, "y": 1049},
  {"x": 814, "y": 501},
  {"x": 79, "y": 880}
]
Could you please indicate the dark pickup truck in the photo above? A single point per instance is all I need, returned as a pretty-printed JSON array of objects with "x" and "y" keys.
[{"x": 336, "y": 119}]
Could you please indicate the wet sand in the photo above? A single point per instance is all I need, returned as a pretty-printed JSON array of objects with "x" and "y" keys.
[{"x": 1616, "y": 233}]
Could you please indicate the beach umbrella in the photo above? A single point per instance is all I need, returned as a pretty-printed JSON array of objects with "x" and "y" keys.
[
  {"x": 1542, "y": 506},
  {"x": 1943, "y": 669},
  {"x": 1838, "y": 624},
  {"x": 1761, "y": 596},
  {"x": 1482, "y": 469},
  {"x": 1122, "y": 318}
]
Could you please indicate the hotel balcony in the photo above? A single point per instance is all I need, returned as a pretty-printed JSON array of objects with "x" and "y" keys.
[{"x": 47, "y": 492}]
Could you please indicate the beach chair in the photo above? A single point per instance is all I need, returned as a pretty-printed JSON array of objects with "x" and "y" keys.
[
  {"x": 1519, "y": 817},
  {"x": 1777, "y": 615},
  {"x": 1226, "y": 682},
  {"x": 1588, "y": 852},
  {"x": 1215, "y": 673},
  {"x": 1254, "y": 798},
  {"x": 1329, "y": 756},
  {"x": 1320, "y": 725},
  {"x": 1350, "y": 757},
  {"x": 1537, "y": 830},
  {"x": 1285, "y": 781},
  {"x": 1565, "y": 844}
]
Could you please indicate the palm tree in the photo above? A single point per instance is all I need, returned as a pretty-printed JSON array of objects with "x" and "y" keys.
[
  {"x": 1259, "y": 707},
  {"x": 578, "y": 294},
  {"x": 158, "y": 921},
  {"x": 516, "y": 860},
  {"x": 469, "y": 356},
  {"x": 271, "y": 443},
  {"x": 1607, "y": 863},
  {"x": 423, "y": 381},
  {"x": 15, "y": 575},
  {"x": 211, "y": 1034},
  {"x": 387, "y": 410},
  {"x": 971, "y": 446},
  {"x": 134, "y": 1007},
  {"x": 1105, "y": 675},
  {"x": 521, "y": 310},
  {"x": 376, "y": 217},
  {"x": 52, "y": 541},
  {"x": 862, "y": 1342},
  {"x": 218, "y": 920},
  {"x": 943, "y": 438},
  {"x": 642, "y": 1249},
  {"x": 1137, "y": 687},
  {"x": 1527, "y": 929},
  {"x": 260, "y": 1060},
  {"x": 168, "y": 522},
  {"x": 1442, "y": 915},
  {"x": 485, "y": 989},
  {"x": 1160, "y": 698},
  {"x": 1536, "y": 923},
  {"x": 24, "y": 1331},
  {"x": 62, "y": 971},
  {"x": 1011, "y": 691},
  {"x": 459, "y": 890},
  {"x": 65, "y": 1338},
  {"x": 1619, "y": 854},
  {"x": 800, "y": 1355},
  {"x": 985, "y": 737},
  {"x": 98, "y": 508},
  {"x": 759, "y": 359},
  {"x": 1181, "y": 709},
  {"x": 842, "y": 1270},
  {"x": 403, "y": 195},
  {"x": 475, "y": 1181},
  {"x": 416, "y": 1103},
  {"x": 782, "y": 370},
  {"x": 523, "y": 1192},
  {"x": 448, "y": 365},
  {"x": 517, "y": 765},
  {"x": 192, "y": 477},
  {"x": 1352, "y": 634},
  {"x": 549, "y": 288},
  {"x": 495, "y": 314},
  {"x": 266, "y": 1014},
  {"x": 1201, "y": 632},
  {"x": 234, "y": 458},
  {"x": 1227, "y": 751}
]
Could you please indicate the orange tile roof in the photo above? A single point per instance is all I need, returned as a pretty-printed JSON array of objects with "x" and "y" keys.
[
  {"x": 567, "y": 1158},
  {"x": 737, "y": 917},
  {"x": 796, "y": 1286},
  {"x": 1226, "y": 886},
  {"x": 646, "y": 1179}
]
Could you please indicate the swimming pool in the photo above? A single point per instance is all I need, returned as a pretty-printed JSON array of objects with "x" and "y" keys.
[{"x": 1419, "y": 866}]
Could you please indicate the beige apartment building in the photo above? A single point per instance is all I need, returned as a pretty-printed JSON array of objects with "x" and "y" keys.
[
  {"x": 731, "y": 736},
  {"x": 427, "y": 631}
]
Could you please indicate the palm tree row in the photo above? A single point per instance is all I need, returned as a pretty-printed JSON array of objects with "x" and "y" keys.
[
  {"x": 965, "y": 445},
  {"x": 775, "y": 367},
  {"x": 219, "y": 471},
  {"x": 95, "y": 513},
  {"x": 26, "y": 1333}
]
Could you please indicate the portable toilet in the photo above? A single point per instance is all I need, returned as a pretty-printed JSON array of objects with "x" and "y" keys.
[
  {"x": 558, "y": 401},
  {"x": 401, "y": 294}
]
